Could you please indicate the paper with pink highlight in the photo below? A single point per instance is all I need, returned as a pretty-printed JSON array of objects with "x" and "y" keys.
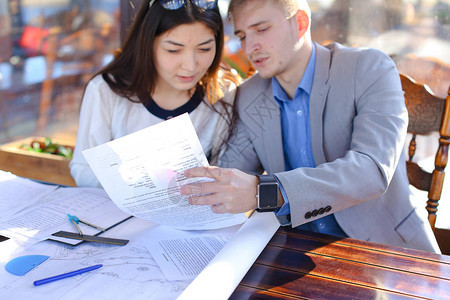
[{"x": 143, "y": 172}]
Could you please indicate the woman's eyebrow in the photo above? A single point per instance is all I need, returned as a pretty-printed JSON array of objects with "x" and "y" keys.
[
  {"x": 173, "y": 43},
  {"x": 178, "y": 44},
  {"x": 206, "y": 42}
]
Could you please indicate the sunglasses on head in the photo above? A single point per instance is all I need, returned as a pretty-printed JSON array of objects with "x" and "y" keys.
[{"x": 176, "y": 4}]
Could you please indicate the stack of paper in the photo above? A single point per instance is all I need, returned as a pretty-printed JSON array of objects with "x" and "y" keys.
[
  {"x": 141, "y": 173},
  {"x": 48, "y": 214}
]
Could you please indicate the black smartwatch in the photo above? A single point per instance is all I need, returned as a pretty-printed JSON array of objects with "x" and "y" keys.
[{"x": 267, "y": 193}]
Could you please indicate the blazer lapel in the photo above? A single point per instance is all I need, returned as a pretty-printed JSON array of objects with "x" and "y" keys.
[
  {"x": 317, "y": 101},
  {"x": 263, "y": 119},
  {"x": 273, "y": 139},
  {"x": 263, "y": 116}
]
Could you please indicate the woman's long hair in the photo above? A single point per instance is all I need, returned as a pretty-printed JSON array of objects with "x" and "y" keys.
[{"x": 132, "y": 74}]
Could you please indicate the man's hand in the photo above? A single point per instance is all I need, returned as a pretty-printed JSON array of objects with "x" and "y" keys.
[{"x": 233, "y": 191}]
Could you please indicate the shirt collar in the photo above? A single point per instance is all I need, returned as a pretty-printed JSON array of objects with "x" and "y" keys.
[{"x": 305, "y": 84}]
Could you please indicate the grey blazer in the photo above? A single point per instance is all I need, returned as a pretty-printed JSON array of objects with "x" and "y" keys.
[{"x": 358, "y": 129}]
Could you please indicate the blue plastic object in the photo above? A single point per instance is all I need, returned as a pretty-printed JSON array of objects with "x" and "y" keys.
[
  {"x": 23, "y": 264},
  {"x": 74, "y": 218}
]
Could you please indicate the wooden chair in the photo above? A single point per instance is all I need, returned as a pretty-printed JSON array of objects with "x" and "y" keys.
[
  {"x": 5, "y": 39},
  {"x": 427, "y": 114},
  {"x": 427, "y": 70},
  {"x": 78, "y": 55}
]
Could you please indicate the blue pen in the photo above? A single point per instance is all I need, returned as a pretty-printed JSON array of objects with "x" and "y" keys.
[{"x": 65, "y": 275}]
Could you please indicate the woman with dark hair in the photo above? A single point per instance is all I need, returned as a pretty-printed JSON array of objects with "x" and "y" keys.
[{"x": 169, "y": 65}]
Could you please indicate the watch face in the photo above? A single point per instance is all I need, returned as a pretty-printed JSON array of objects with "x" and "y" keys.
[{"x": 268, "y": 195}]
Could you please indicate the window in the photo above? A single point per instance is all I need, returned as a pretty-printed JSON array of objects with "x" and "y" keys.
[
  {"x": 50, "y": 48},
  {"x": 48, "y": 51}
]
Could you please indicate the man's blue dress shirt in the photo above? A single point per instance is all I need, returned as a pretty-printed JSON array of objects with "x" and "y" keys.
[{"x": 297, "y": 145}]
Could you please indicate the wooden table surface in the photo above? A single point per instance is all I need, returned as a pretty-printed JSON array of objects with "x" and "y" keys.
[{"x": 304, "y": 265}]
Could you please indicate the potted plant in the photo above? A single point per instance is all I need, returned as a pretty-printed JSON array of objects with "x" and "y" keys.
[
  {"x": 48, "y": 146},
  {"x": 39, "y": 158}
]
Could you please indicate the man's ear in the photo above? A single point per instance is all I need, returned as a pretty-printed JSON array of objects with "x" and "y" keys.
[{"x": 302, "y": 22}]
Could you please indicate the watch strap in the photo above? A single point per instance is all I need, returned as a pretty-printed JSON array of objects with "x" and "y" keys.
[{"x": 266, "y": 179}]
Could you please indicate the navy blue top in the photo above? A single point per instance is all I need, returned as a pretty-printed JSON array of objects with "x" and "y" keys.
[{"x": 164, "y": 114}]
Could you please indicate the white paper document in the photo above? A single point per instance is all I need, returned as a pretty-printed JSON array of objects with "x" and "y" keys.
[
  {"x": 182, "y": 255},
  {"x": 19, "y": 193},
  {"x": 143, "y": 172},
  {"x": 222, "y": 275},
  {"x": 38, "y": 223},
  {"x": 130, "y": 272}
]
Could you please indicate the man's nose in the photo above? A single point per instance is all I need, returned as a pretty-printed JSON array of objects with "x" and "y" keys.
[{"x": 252, "y": 45}]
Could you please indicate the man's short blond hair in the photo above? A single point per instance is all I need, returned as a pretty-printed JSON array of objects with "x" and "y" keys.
[{"x": 290, "y": 7}]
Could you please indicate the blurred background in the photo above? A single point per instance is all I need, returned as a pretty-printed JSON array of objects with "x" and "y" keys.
[
  {"x": 48, "y": 51},
  {"x": 50, "y": 48}
]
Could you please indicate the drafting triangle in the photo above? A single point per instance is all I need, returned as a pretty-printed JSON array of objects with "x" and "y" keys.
[{"x": 22, "y": 264}]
